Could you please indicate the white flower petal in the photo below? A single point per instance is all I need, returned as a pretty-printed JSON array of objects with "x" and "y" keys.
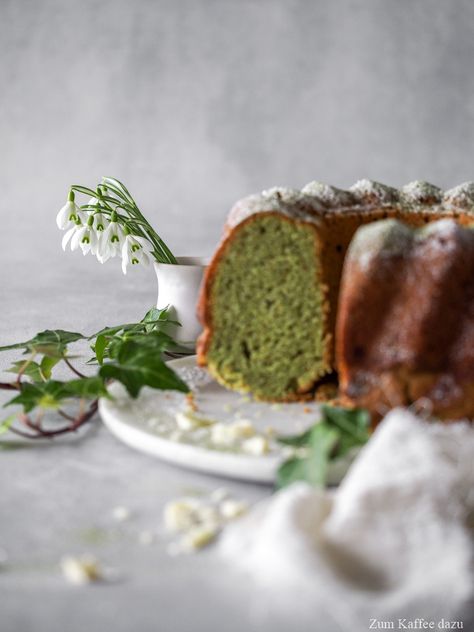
[
  {"x": 100, "y": 222},
  {"x": 67, "y": 237},
  {"x": 126, "y": 248},
  {"x": 62, "y": 218},
  {"x": 144, "y": 243},
  {"x": 94, "y": 239},
  {"x": 83, "y": 216},
  {"x": 102, "y": 257},
  {"x": 77, "y": 237}
]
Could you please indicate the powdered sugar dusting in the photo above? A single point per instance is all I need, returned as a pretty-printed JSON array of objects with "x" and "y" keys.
[
  {"x": 328, "y": 195},
  {"x": 461, "y": 196},
  {"x": 317, "y": 199},
  {"x": 421, "y": 192},
  {"x": 290, "y": 202},
  {"x": 387, "y": 237},
  {"x": 371, "y": 192},
  {"x": 444, "y": 235}
]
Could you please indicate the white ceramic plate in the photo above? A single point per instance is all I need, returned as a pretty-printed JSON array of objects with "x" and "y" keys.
[{"x": 149, "y": 424}]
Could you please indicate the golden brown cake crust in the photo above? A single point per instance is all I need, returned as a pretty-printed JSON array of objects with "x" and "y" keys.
[{"x": 405, "y": 326}]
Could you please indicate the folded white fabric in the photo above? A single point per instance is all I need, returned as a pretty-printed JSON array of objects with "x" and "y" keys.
[{"x": 393, "y": 542}]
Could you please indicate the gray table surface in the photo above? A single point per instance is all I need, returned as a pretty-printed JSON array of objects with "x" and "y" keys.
[{"x": 58, "y": 498}]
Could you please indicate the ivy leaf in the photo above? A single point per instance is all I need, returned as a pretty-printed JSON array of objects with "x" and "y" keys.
[
  {"x": 46, "y": 395},
  {"x": 339, "y": 431},
  {"x": 6, "y": 423},
  {"x": 28, "y": 368},
  {"x": 352, "y": 425},
  {"x": 109, "y": 339},
  {"x": 85, "y": 387},
  {"x": 297, "y": 441},
  {"x": 36, "y": 372},
  {"x": 312, "y": 468},
  {"x": 136, "y": 365},
  {"x": 51, "y": 342},
  {"x": 47, "y": 365},
  {"x": 51, "y": 394},
  {"x": 100, "y": 345}
]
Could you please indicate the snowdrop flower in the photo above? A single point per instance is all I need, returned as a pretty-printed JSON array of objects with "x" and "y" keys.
[
  {"x": 69, "y": 213},
  {"x": 82, "y": 236},
  {"x": 110, "y": 241},
  {"x": 100, "y": 222},
  {"x": 133, "y": 251}
]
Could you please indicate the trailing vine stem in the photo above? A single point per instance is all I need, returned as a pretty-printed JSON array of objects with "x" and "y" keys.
[
  {"x": 42, "y": 433},
  {"x": 37, "y": 430}
]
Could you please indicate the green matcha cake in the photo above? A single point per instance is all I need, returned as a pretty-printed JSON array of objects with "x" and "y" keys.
[{"x": 269, "y": 300}]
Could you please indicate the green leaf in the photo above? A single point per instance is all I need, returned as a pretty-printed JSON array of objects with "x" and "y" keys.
[
  {"x": 120, "y": 189},
  {"x": 36, "y": 372},
  {"x": 352, "y": 425},
  {"x": 139, "y": 364},
  {"x": 6, "y": 423},
  {"x": 46, "y": 395},
  {"x": 28, "y": 368},
  {"x": 84, "y": 190},
  {"x": 312, "y": 468},
  {"x": 108, "y": 340},
  {"x": 323, "y": 441},
  {"x": 339, "y": 431},
  {"x": 85, "y": 388},
  {"x": 51, "y": 394},
  {"x": 296, "y": 441},
  {"x": 47, "y": 365},
  {"x": 51, "y": 342},
  {"x": 100, "y": 346}
]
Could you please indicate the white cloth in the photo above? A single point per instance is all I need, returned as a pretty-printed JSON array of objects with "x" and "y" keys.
[{"x": 393, "y": 541}]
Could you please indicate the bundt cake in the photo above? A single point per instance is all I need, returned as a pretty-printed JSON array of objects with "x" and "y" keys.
[
  {"x": 405, "y": 325},
  {"x": 269, "y": 299}
]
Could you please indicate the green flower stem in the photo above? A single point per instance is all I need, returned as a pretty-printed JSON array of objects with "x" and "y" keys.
[
  {"x": 84, "y": 190},
  {"x": 131, "y": 218}
]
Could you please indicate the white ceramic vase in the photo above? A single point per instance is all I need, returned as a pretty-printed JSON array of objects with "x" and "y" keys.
[{"x": 178, "y": 288}]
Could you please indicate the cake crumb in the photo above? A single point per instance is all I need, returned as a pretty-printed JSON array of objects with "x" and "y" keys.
[
  {"x": 121, "y": 513},
  {"x": 80, "y": 570},
  {"x": 200, "y": 536},
  {"x": 190, "y": 399},
  {"x": 200, "y": 521},
  {"x": 231, "y": 509},
  {"x": 179, "y": 515},
  {"x": 256, "y": 446}
]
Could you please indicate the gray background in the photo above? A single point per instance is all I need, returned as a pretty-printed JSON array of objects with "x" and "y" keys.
[{"x": 193, "y": 104}]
